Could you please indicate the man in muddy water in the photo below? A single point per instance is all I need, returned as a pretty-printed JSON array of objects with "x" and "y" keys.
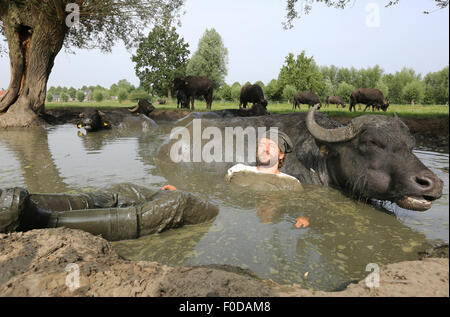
[{"x": 271, "y": 154}]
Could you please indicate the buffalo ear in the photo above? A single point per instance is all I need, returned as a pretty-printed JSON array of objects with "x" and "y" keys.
[
  {"x": 101, "y": 113},
  {"x": 324, "y": 149},
  {"x": 81, "y": 115}
]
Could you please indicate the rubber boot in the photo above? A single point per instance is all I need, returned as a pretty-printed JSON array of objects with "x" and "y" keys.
[{"x": 12, "y": 203}]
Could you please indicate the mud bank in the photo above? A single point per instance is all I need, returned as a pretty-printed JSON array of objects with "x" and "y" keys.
[{"x": 34, "y": 264}]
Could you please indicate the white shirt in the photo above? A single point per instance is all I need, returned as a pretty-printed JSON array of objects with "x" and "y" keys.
[{"x": 241, "y": 167}]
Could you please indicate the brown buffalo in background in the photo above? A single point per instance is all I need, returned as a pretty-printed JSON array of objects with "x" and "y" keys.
[
  {"x": 369, "y": 97},
  {"x": 306, "y": 98},
  {"x": 335, "y": 100}
]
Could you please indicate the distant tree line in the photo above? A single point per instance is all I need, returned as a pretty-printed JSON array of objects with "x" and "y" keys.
[
  {"x": 120, "y": 91},
  {"x": 302, "y": 74}
]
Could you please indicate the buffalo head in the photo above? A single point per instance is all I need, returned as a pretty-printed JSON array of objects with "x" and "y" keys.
[
  {"x": 385, "y": 105},
  {"x": 143, "y": 107},
  {"x": 92, "y": 120},
  {"x": 372, "y": 158},
  {"x": 179, "y": 83}
]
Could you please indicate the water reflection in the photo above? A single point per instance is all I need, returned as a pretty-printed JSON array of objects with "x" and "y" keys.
[{"x": 37, "y": 167}]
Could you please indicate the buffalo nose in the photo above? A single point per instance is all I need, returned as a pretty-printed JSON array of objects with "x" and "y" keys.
[
  {"x": 424, "y": 182},
  {"x": 428, "y": 185}
]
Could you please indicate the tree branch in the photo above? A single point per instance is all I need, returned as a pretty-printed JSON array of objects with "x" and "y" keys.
[{"x": 59, "y": 10}]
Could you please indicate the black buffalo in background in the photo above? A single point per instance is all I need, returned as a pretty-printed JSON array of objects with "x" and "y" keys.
[
  {"x": 335, "y": 100},
  {"x": 306, "y": 98},
  {"x": 252, "y": 93},
  {"x": 182, "y": 100},
  {"x": 369, "y": 97},
  {"x": 92, "y": 120},
  {"x": 193, "y": 86}
]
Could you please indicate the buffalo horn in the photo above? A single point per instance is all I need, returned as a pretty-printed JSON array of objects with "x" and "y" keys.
[
  {"x": 134, "y": 109},
  {"x": 341, "y": 134}
]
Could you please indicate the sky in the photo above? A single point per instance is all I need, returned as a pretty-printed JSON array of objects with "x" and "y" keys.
[{"x": 362, "y": 35}]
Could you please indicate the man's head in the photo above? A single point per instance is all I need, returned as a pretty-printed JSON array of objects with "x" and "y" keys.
[{"x": 272, "y": 148}]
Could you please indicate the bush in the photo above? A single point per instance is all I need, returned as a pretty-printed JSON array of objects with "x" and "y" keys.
[
  {"x": 122, "y": 95},
  {"x": 136, "y": 95},
  {"x": 65, "y": 97},
  {"x": 225, "y": 93},
  {"x": 98, "y": 96},
  {"x": 49, "y": 97},
  {"x": 80, "y": 96},
  {"x": 236, "y": 92},
  {"x": 345, "y": 91},
  {"x": 415, "y": 90},
  {"x": 289, "y": 92},
  {"x": 273, "y": 90}
]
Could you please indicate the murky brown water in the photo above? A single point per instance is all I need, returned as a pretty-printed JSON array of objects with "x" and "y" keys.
[{"x": 252, "y": 230}]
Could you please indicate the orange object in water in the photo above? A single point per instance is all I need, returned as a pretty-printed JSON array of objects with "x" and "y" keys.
[
  {"x": 302, "y": 222},
  {"x": 169, "y": 187}
]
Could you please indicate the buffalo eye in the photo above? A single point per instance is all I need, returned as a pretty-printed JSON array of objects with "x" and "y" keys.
[
  {"x": 375, "y": 143},
  {"x": 370, "y": 144}
]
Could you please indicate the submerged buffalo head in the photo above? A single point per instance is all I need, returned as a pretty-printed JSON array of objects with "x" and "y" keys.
[
  {"x": 143, "y": 107},
  {"x": 372, "y": 158},
  {"x": 92, "y": 120}
]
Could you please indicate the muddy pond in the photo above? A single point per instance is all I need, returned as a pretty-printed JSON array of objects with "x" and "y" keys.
[{"x": 252, "y": 230}]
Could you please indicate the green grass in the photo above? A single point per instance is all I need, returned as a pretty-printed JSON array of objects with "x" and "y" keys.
[{"x": 406, "y": 111}]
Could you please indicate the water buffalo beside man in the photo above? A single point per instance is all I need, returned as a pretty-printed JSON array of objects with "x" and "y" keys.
[
  {"x": 252, "y": 93},
  {"x": 335, "y": 100},
  {"x": 369, "y": 97},
  {"x": 370, "y": 158},
  {"x": 306, "y": 98},
  {"x": 192, "y": 87}
]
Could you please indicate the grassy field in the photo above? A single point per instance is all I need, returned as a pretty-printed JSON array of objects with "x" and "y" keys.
[{"x": 407, "y": 111}]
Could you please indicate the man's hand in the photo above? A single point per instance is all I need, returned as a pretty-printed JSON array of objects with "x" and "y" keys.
[
  {"x": 169, "y": 187},
  {"x": 302, "y": 222}
]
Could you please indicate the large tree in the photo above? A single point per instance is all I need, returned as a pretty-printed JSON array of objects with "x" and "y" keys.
[
  {"x": 210, "y": 59},
  {"x": 302, "y": 73},
  {"x": 36, "y": 31},
  {"x": 160, "y": 57}
]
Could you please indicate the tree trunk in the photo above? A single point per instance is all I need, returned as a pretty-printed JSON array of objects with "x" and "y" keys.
[
  {"x": 169, "y": 95},
  {"x": 34, "y": 39}
]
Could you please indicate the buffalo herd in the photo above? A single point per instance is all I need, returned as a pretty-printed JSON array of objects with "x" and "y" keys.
[{"x": 190, "y": 87}]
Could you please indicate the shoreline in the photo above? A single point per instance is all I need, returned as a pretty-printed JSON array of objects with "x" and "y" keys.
[{"x": 35, "y": 263}]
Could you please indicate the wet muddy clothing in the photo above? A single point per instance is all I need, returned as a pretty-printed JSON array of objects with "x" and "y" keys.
[
  {"x": 122, "y": 212},
  {"x": 252, "y": 178}
]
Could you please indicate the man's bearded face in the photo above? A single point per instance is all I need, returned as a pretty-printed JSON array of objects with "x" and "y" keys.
[{"x": 267, "y": 153}]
